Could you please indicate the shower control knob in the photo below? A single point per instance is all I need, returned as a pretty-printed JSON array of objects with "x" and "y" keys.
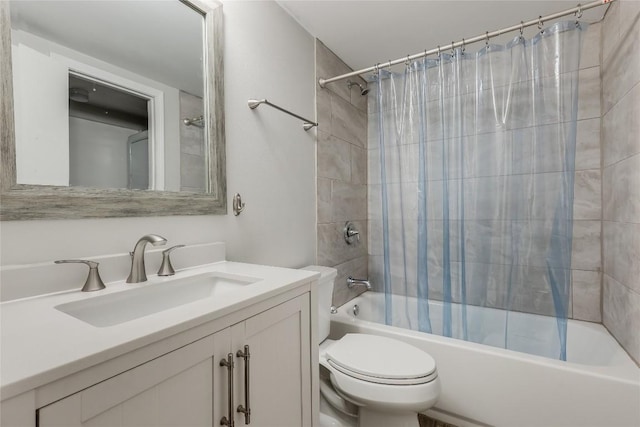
[{"x": 351, "y": 234}]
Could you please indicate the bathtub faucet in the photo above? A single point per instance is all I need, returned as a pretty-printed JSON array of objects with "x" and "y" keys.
[{"x": 351, "y": 282}]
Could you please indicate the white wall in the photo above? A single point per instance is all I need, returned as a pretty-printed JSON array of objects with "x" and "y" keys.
[
  {"x": 270, "y": 161},
  {"x": 41, "y": 114}
]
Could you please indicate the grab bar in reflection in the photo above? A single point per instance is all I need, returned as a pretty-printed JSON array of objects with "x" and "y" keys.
[{"x": 194, "y": 121}]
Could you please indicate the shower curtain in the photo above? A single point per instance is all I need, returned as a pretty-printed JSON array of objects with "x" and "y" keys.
[{"x": 471, "y": 190}]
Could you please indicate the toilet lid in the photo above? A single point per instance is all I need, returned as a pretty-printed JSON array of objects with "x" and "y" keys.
[{"x": 373, "y": 357}]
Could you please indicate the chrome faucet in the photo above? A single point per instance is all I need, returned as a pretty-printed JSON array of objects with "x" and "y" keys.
[
  {"x": 138, "y": 273},
  {"x": 351, "y": 282}
]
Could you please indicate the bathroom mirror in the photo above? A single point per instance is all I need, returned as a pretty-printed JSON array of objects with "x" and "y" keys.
[{"x": 111, "y": 109}]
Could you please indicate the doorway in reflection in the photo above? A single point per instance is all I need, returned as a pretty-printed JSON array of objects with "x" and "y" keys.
[{"x": 108, "y": 135}]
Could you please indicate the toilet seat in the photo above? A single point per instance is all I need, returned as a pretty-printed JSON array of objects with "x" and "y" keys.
[
  {"x": 380, "y": 360},
  {"x": 371, "y": 370}
]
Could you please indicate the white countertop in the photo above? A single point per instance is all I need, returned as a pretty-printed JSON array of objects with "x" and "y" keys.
[{"x": 40, "y": 344}]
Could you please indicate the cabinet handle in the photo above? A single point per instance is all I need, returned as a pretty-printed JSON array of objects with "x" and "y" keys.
[
  {"x": 245, "y": 410},
  {"x": 228, "y": 363}
]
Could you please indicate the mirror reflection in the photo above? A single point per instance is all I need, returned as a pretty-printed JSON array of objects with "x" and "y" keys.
[{"x": 109, "y": 94}]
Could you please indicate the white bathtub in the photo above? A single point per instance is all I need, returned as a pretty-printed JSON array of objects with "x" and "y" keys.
[{"x": 599, "y": 385}]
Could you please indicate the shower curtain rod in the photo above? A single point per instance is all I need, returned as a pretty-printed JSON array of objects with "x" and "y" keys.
[{"x": 486, "y": 36}]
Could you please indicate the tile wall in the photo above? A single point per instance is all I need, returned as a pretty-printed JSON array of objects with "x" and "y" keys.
[
  {"x": 586, "y": 264},
  {"x": 192, "y": 148},
  {"x": 341, "y": 172},
  {"x": 621, "y": 173}
]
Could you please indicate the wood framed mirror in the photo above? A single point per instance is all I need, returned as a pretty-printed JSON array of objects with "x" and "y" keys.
[{"x": 162, "y": 169}]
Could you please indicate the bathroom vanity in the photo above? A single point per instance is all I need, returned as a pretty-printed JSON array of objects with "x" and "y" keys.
[{"x": 241, "y": 349}]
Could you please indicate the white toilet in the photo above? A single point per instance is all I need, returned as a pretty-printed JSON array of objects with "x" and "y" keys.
[{"x": 373, "y": 380}]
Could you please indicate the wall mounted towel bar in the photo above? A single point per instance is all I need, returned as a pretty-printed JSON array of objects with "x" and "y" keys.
[{"x": 307, "y": 124}]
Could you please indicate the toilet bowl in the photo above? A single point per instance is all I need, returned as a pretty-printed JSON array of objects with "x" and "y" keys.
[{"x": 382, "y": 380}]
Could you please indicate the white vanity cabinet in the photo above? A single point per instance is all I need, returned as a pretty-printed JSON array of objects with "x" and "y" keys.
[
  {"x": 189, "y": 387},
  {"x": 175, "y": 389}
]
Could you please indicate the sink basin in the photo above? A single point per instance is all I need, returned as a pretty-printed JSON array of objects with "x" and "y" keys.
[{"x": 120, "y": 307}]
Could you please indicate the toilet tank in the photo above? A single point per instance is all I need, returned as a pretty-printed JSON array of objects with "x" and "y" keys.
[{"x": 325, "y": 296}]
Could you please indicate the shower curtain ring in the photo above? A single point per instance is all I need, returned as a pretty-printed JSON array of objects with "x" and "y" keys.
[
  {"x": 453, "y": 52},
  {"x": 486, "y": 40},
  {"x": 389, "y": 65},
  {"x": 463, "y": 47},
  {"x": 438, "y": 51},
  {"x": 407, "y": 62},
  {"x": 521, "y": 28},
  {"x": 540, "y": 23},
  {"x": 579, "y": 12}
]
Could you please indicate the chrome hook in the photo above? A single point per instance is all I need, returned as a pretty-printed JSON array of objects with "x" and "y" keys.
[
  {"x": 579, "y": 12},
  {"x": 407, "y": 62},
  {"x": 453, "y": 52},
  {"x": 463, "y": 46},
  {"x": 540, "y": 23},
  {"x": 521, "y": 28},
  {"x": 486, "y": 40},
  {"x": 438, "y": 51},
  {"x": 238, "y": 206}
]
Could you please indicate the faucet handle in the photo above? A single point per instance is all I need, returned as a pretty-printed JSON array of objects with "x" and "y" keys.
[
  {"x": 166, "y": 269},
  {"x": 94, "y": 281}
]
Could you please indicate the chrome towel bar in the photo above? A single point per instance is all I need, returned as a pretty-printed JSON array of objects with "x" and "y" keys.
[{"x": 307, "y": 124}]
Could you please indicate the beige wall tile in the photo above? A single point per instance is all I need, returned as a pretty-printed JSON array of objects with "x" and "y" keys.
[
  {"x": 586, "y": 245},
  {"x": 334, "y": 157},
  {"x": 586, "y": 290},
  {"x": 629, "y": 12},
  {"x": 621, "y": 128},
  {"x": 323, "y": 109},
  {"x": 589, "y": 93},
  {"x": 587, "y": 202},
  {"x": 348, "y": 202},
  {"x": 324, "y": 200},
  {"x": 329, "y": 65},
  {"x": 588, "y": 144},
  {"x": 610, "y": 31},
  {"x": 621, "y": 174},
  {"x": 621, "y": 71},
  {"x": 621, "y": 191},
  {"x": 347, "y": 122},
  {"x": 621, "y": 247},
  {"x": 358, "y": 165},
  {"x": 590, "y": 52},
  {"x": 621, "y": 315}
]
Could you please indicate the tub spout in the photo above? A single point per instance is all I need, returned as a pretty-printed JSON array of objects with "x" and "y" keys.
[{"x": 351, "y": 282}]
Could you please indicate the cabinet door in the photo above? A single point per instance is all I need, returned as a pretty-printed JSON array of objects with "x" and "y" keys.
[
  {"x": 173, "y": 390},
  {"x": 280, "y": 365}
]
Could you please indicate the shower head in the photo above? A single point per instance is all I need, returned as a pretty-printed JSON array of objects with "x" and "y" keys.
[
  {"x": 78, "y": 94},
  {"x": 363, "y": 89}
]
